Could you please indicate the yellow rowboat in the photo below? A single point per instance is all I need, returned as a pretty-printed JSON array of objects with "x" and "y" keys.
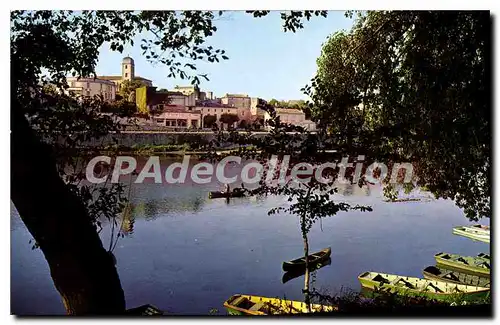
[
  {"x": 416, "y": 287},
  {"x": 255, "y": 305},
  {"x": 475, "y": 232}
]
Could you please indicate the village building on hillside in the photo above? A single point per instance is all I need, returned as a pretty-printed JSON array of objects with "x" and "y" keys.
[
  {"x": 199, "y": 95},
  {"x": 236, "y": 100},
  {"x": 177, "y": 117},
  {"x": 217, "y": 109},
  {"x": 254, "y": 110},
  {"x": 128, "y": 73},
  {"x": 169, "y": 109},
  {"x": 291, "y": 116},
  {"x": 90, "y": 87}
]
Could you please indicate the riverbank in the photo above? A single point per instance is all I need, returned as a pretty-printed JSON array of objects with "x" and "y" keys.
[{"x": 166, "y": 150}]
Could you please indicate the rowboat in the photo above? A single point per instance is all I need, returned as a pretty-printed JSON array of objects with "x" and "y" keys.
[
  {"x": 480, "y": 228},
  {"x": 479, "y": 265},
  {"x": 144, "y": 310},
  {"x": 485, "y": 256},
  {"x": 417, "y": 287},
  {"x": 290, "y": 275},
  {"x": 255, "y": 305},
  {"x": 219, "y": 194},
  {"x": 300, "y": 263},
  {"x": 440, "y": 274},
  {"x": 476, "y": 232},
  {"x": 403, "y": 200}
]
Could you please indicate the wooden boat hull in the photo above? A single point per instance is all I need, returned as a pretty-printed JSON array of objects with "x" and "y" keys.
[
  {"x": 314, "y": 259},
  {"x": 479, "y": 265},
  {"x": 218, "y": 194},
  {"x": 258, "y": 306},
  {"x": 290, "y": 275},
  {"x": 472, "y": 233},
  {"x": 480, "y": 228},
  {"x": 416, "y": 287},
  {"x": 435, "y": 273}
]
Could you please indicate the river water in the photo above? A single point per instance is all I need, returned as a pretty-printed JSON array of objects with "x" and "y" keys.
[{"x": 186, "y": 254}]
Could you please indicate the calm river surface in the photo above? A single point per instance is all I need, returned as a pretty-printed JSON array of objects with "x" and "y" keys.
[{"x": 186, "y": 254}]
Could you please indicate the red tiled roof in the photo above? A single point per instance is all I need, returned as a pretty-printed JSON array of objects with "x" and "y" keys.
[{"x": 120, "y": 78}]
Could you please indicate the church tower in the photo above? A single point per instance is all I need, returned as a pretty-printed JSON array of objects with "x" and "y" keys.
[{"x": 128, "y": 68}]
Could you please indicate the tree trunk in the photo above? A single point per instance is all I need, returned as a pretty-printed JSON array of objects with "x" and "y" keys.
[
  {"x": 306, "y": 277},
  {"x": 82, "y": 270}
]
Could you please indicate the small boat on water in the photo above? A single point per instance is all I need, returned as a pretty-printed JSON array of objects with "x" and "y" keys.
[
  {"x": 479, "y": 265},
  {"x": 219, "y": 194},
  {"x": 441, "y": 274},
  {"x": 144, "y": 310},
  {"x": 476, "y": 232},
  {"x": 485, "y": 256},
  {"x": 300, "y": 263},
  {"x": 290, "y": 275},
  {"x": 417, "y": 287},
  {"x": 255, "y": 305},
  {"x": 480, "y": 228},
  {"x": 411, "y": 199}
]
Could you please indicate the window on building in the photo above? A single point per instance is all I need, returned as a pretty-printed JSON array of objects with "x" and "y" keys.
[
  {"x": 126, "y": 75},
  {"x": 73, "y": 84},
  {"x": 88, "y": 85},
  {"x": 125, "y": 66}
]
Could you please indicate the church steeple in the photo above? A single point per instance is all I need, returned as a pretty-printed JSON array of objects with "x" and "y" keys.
[{"x": 128, "y": 68}]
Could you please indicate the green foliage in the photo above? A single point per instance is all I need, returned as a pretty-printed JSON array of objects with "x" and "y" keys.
[
  {"x": 213, "y": 311},
  {"x": 129, "y": 86},
  {"x": 209, "y": 121},
  {"x": 386, "y": 302},
  {"x": 243, "y": 124},
  {"x": 47, "y": 46},
  {"x": 274, "y": 102},
  {"x": 292, "y": 20},
  {"x": 229, "y": 119},
  {"x": 412, "y": 86},
  {"x": 297, "y": 104}
]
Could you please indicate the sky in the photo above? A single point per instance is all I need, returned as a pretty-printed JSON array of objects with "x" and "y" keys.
[{"x": 263, "y": 60}]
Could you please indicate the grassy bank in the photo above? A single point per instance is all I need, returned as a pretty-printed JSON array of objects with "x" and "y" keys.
[{"x": 164, "y": 149}]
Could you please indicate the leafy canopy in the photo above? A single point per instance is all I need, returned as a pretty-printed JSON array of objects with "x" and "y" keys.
[{"x": 413, "y": 86}]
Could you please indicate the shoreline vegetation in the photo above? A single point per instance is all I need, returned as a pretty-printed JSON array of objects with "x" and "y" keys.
[{"x": 165, "y": 150}]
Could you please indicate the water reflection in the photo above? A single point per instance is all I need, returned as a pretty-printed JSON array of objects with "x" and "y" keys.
[
  {"x": 151, "y": 208},
  {"x": 187, "y": 254},
  {"x": 154, "y": 208},
  {"x": 127, "y": 228},
  {"x": 290, "y": 275}
]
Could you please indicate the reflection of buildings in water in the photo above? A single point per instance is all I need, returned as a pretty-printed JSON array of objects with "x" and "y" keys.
[
  {"x": 127, "y": 222},
  {"x": 127, "y": 228},
  {"x": 197, "y": 204},
  {"x": 354, "y": 190},
  {"x": 151, "y": 209},
  {"x": 347, "y": 190}
]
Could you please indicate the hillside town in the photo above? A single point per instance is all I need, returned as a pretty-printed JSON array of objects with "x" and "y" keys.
[{"x": 184, "y": 107}]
